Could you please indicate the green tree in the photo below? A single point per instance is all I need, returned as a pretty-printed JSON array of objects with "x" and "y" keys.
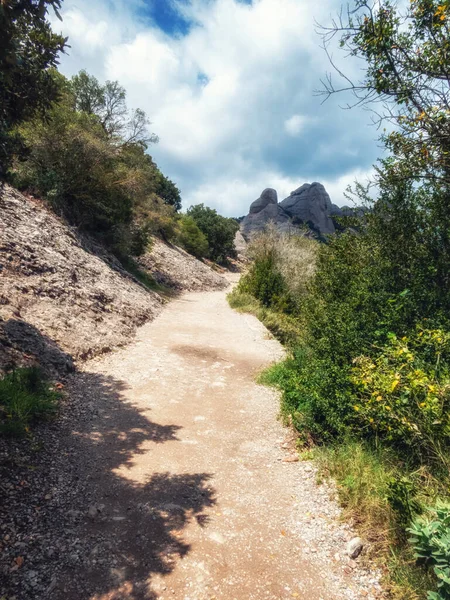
[
  {"x": 168, "y": 191},
  {"x": 101, "y": 182},
  {"x": 219, "y": 231},
  {"x": 28, "y": 49},
  {"x": 192, "y": 238},
  {"x": 407, "y": 79},
  {"x": 407, "y": 85},
  {"x": 73, "y": 165},
  {"x": 108, "y": 103}
]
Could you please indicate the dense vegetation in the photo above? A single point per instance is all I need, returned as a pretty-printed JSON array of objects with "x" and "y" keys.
[
  {"x": 88, "y": 157},
  {"x": 367, "y": 383},
  {"x": 76, "y": 144},
  {"x": 28, "y": 47},
  {"x": 219, "y": 232}
]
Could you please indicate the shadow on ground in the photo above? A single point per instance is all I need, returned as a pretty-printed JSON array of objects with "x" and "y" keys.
[{"x": 84, "y": 530}]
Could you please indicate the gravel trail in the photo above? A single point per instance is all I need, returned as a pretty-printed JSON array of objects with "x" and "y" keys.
[{"x": 181, "y": 479}]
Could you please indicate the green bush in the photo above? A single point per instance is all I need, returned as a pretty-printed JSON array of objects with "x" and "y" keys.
[
  {"x": 315, "y": 395},
  {"x": 88, "y": 159},
  {"x": 265, "y": 283},
  {"x": 25, "y": 395},
  {"x": 264, "y": 280},
  {"x": 72, "y": 164},
  {"x": 403, "y": 393},
  {"x": 191, "y": 238},
  {"x": 430, "y": 536},
  {"x": 219, "y": 231}
]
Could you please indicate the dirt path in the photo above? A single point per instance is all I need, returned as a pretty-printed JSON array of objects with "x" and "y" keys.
[{"x": 183, "y": 492}]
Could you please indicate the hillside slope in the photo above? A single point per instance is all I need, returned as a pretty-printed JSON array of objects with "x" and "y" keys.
[
  {"x": 175, "y": 268},
  {"x": 61, "y": 295}
]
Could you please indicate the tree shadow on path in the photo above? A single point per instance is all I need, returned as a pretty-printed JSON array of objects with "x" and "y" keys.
[
  {"x": 133, "y": 529},
  {"x": 86, "y": 530}
]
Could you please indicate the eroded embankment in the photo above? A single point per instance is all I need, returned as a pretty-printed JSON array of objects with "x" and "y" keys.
[{"x": 63, "y": 297}]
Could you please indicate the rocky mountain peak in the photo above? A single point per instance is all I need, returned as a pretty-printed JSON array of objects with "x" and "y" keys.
[{"x": 310, "y": 205}]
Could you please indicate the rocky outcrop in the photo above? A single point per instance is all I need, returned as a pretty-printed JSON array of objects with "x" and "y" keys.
[
  {"x": 58, "y": 287},
  {"x": 263, "y": 211},
  {"x": 309, "y": 205}
]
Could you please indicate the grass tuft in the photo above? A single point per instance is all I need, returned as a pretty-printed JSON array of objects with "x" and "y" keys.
[
  {"x": 283, "y": 326},
  {"x": 364, "y": 477},
  {"x": 25, "y": 396}
]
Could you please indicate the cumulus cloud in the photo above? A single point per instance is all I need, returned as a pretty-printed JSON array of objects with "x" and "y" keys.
[
  {"x": 232, "y": 99},
  {"x": 294, "y": 125}
]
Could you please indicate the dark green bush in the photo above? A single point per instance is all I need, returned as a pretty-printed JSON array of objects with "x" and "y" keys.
[
  {"x": 191, "y": 238},
  {"x": 219, "y": 231},
  {"x": 264, "y": 280}
]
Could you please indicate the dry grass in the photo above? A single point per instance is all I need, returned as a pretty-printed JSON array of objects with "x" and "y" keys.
[
  {"x": 362, "y": 475},
  {"x": 295, "y": 257}
]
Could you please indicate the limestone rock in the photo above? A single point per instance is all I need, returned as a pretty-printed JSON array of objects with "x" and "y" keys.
[
  {"x": 310, "y": 204},
  {"x": 354, "y": 547},
  {"x": 268, "y": 196},
  {"x": 263, "y": 211}
]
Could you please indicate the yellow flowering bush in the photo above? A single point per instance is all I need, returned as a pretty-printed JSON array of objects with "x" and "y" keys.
[{"x": 403, "y": 394}]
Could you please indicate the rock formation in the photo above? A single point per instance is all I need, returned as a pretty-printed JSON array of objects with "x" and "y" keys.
[
  {"x": 263, "y": 211},
  {"x": 308, "y": 205}
]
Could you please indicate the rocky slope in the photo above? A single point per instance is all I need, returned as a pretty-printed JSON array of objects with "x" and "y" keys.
[
  {"x": 173, "y": 267},
  {"x": 62, "y": 297}
]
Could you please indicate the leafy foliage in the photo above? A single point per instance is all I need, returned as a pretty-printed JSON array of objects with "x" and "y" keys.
[
  {"x": 101, "y": 182},
  {"x": 73, "y": 165},
  {"x": 108, "y": 103},
  {"x": 407, "y": 53},
  {"x": 403, "y": 394},
  {"x": 430, "y": 536},
  {"x": 219, "y": 231},
  {"x": 28, "y": 49},
  {"x": 192, "y": 238},
  {"x": 264, "y": 282},
  {"x": 168, "y": 191}
]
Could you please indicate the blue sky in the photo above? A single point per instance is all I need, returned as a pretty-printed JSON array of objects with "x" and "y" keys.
[{"x": 229, "y": 87}]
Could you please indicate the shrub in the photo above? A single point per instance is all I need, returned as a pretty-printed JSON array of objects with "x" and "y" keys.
[
  {"x": 191, "y": 238},
  {"x": 25, "y": 395},
  {"x": 430, "y": 536},
  {"x": 219, "y": 231},
  {"x": 264, "y": 279},
  {"x": 72, "y": 164},
  {"x": 160, "y": 219},
  {"x": 88, "y": 159},
  {"x": 265, "y": 283},
  {"x": 403, "y": 394},
  {"x": 315, "y": 394}
]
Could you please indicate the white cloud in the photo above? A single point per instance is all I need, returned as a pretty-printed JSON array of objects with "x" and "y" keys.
[
  {"x": 337, "y": 187},
  {"x": 230, "y": 100},
  {"x": 294, "y": 125}
]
